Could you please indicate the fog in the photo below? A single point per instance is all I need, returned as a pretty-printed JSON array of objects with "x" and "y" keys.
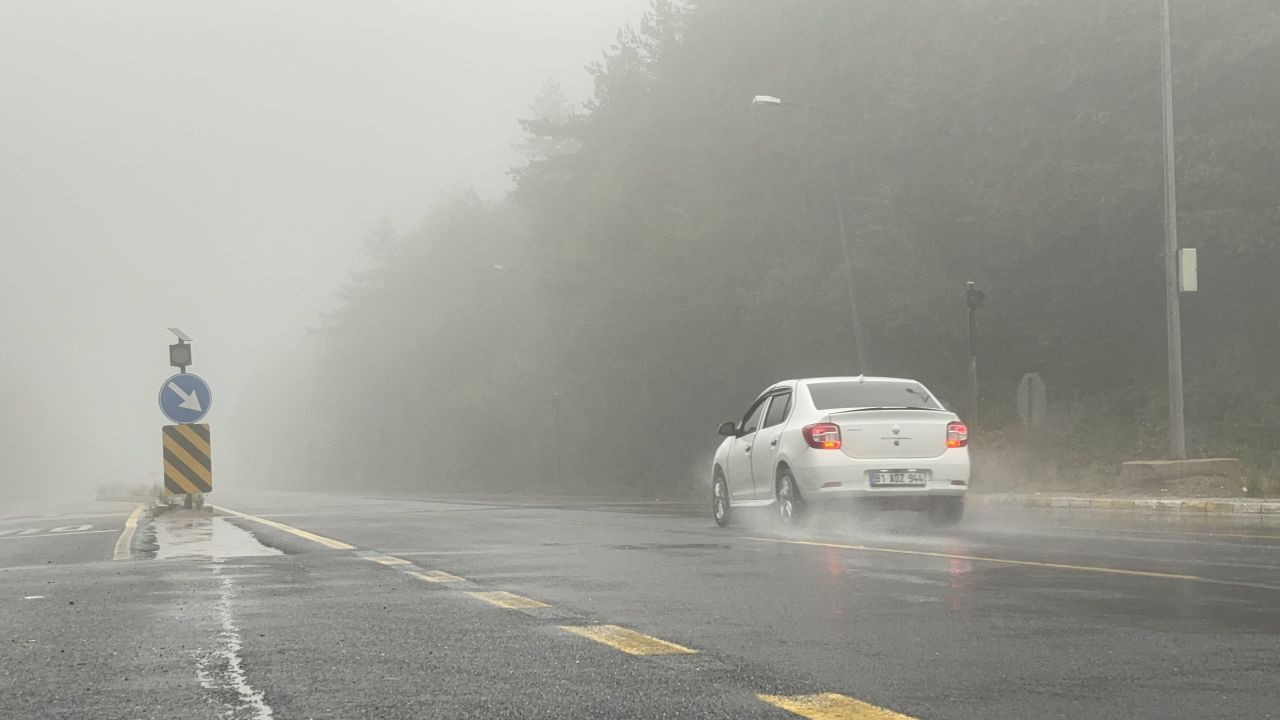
[
  {"x": 214, "y": 166},
  {"x": 409, "y": 263}
]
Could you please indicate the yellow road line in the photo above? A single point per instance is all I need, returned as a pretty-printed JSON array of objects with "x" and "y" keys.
[
  {"x": 1176, "y": 532},
  {"x": 327, "y": 542},
  {"x": 831, "y": 706},
  {"x": 511, "y": 601},
  {"x": 386, "y": 560},
  {"x": 1000, "y": 561},
  {"x": 124, "y": 543},
  {"x": 437, "y": 576},
  {"x": 628, "y": 641}
]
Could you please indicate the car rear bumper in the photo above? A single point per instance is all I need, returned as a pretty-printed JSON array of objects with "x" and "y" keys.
[{"x": 840, "y": 477}]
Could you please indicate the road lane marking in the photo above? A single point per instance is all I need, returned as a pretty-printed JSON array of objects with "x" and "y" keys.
[
  {"x": 1275, "y": 538},
  {"x": 320, "y": 539},
  {"x": 411, "y": 553},
  {"x": 977, "y": 558},
  {"x": 124, "y": 544},
  {"x": 1022, "y": 563},
  {"x": 386, "y": 560},
  {"x": 628, "y": 641},
  {"x": 61, "y": 534},
  {"x": 436, "y": 576},
  {"x": 221, "y": 670},
  {"x": 831, "y": 706},
  {"x": 511, "y": 601}
]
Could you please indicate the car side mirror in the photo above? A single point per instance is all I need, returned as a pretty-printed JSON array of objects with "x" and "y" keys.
[{"x": 729, "y": 429}]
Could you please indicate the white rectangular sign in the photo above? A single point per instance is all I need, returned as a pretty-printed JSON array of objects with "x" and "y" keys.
[{"x": 1188, "y": 272}]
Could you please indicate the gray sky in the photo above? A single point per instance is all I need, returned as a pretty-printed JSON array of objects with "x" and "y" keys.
[{"x": 214, "y": 166}]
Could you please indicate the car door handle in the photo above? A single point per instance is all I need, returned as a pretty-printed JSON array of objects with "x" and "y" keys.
[
  {"x": 746, "y": 449},
  {"x": 773, "y": 442}
]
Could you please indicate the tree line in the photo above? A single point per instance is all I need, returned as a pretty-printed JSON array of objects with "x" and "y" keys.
[{"x": 669, "y": 249}]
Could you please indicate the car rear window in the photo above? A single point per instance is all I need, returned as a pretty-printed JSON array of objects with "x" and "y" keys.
[{"x": 878, "y": 394}]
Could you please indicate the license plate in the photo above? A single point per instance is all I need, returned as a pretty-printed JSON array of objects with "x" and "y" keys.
[{"x": 900, "y": 477}]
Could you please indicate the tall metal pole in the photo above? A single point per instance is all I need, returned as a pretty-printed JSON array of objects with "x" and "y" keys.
[
  {"x": 1177, "y": 428},
  {"x": 973, "y": 373},
  {"x": 863, "y": 367},
  {"x": 973, "y": 300}
]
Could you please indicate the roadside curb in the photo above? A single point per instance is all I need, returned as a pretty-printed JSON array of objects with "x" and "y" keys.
[{"x": 1173, "y": 505}]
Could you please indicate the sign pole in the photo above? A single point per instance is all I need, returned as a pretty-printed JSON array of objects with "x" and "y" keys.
[{"x": 185, "y": 399}]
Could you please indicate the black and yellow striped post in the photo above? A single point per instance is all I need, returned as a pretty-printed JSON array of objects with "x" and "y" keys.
[{"x": 188, "y": 468}]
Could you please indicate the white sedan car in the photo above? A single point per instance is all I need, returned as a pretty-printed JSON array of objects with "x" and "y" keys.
[{"x": 883, "y": 442}]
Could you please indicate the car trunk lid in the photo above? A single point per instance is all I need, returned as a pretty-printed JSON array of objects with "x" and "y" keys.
[{"x": 892, "y": 432}]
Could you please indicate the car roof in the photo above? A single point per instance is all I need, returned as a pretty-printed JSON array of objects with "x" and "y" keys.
[{"x": 849, "y": 378}]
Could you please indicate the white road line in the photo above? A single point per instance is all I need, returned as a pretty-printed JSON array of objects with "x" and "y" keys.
[
  {"x": 53, "y": 535},
  {"x": 222, "y": 669},
  {"x": 319, "y": 539},
  {"x": 124, "y": 544}
]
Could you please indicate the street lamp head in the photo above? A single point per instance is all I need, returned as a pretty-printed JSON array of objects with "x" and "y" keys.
[{"x": 766, "y": 100}]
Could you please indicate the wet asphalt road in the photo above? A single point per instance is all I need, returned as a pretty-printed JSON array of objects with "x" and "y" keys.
[{"x": 1013, "y": 614}]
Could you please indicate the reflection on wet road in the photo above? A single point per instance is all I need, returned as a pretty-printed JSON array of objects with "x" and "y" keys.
[{"x": 202, "y": 535}]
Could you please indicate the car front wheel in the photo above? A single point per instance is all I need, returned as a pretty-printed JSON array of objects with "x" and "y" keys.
[{"x": 720, "y": 500}]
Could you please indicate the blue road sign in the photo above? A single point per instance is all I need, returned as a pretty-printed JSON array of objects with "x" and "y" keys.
[{"x": 185, "y": 398}]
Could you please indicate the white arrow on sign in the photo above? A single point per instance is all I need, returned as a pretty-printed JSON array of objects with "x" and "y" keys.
[{"x": 189, "y": 402}]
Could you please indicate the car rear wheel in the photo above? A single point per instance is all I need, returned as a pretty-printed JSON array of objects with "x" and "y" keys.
[
  {"x": 790, "y": 504},
  {"x": 720, "y": 500},
  {"x": 946, "y": 511}
]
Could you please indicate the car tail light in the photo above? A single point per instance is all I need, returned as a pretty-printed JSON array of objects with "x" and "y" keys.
[
  {"x": 824, "y": 436},
  {"x": 957, "y": 435}
]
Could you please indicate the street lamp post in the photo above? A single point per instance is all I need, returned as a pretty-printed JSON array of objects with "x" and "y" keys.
[
  {"x": 854, "y": 318},
  {"x": 1173, "y": 308},
  {"x": 974, "y": 300}
]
